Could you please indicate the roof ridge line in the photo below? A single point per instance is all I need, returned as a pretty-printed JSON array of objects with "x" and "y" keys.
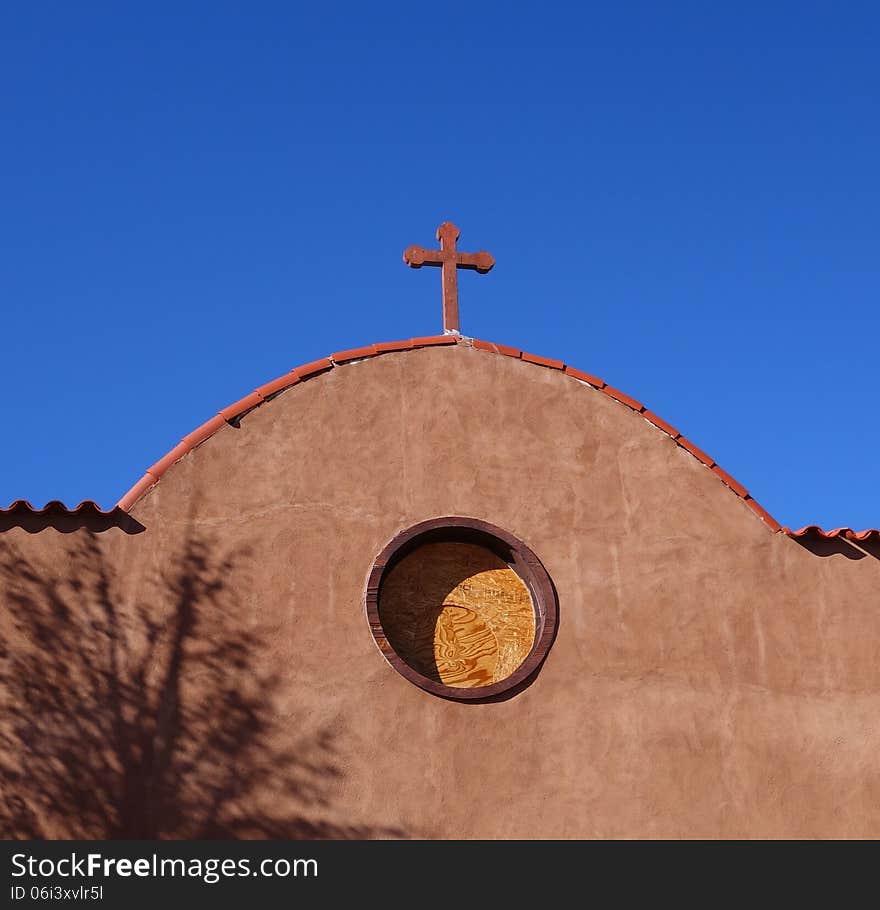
[{"x": 266, "y": 392}]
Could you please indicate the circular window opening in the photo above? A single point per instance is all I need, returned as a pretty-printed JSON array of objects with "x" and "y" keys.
[{"x": 461, "y": 608}]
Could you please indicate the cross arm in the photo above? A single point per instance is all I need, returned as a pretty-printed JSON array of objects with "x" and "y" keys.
[
  {"x": 481, "y": 262},
  {"x": 417, "y": 256}
]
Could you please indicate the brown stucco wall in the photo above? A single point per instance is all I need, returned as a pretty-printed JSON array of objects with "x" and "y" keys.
[{"x": 709, "y": 678}]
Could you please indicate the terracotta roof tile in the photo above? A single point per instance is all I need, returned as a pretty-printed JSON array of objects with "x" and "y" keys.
[
  {"x": 494, "y": 348},
  {"x": 622, "y": 397},
  {"x": 697, "y": 453},
  {"x": 354, "y": 354},
  {"x": 386, "y": 347},
  {"x": 734, "y": 485},
  {"x": 870, "y": 535},
  {"x": 138, "y": 490},
  {"x": 543, "y": 361},
  {"x": 764, "y": 515},
  {"x": 237, "y": 408},
  {"x": 278, "y": 385},
  {"x": 55, "y": 505},
  {"x": 586, "y": 377},
  {"x": 88, "y": 516},
  {"x": 313, "y": 368},
  {"x": 815, "y": 529},
  {"x": 164, "y": 463},
  {"x": 428, "y": 340},
  {"x": 662, "y": 424},
  {"x": 207, "y": 429}
]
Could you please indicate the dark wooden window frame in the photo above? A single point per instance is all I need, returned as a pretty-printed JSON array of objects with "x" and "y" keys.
[{"x": 515, "y": 553}]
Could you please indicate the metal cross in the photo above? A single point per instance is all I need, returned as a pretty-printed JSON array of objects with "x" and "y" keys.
[{"x": 450, "y": 261}]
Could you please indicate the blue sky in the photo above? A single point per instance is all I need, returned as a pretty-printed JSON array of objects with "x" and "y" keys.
[{"x": 681, "y": 198}]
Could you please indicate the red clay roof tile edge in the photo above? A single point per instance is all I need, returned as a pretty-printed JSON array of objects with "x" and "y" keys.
[
  {"x": 238, "y": 408},
  {"x": 660, "y": 423},
  {"x": 205, "y": 431},
  {"x": 313, "y": 368},
  {"x": 623, "y": 398},
  {"x": 268, "y": 391},
  {"x": 354, "y": 354},
  {"x": 763, "y": 514},
  {"x": 863, "y": 535},
  {"x": 594, "y": 381},
  {"x": 494, "y": 348},
  {"x": 734, "y": 485},
  {"x": 429, "y": 340},
  {"x": 55, "y": 505},
  {"x": 543, "y": 361},
  {"x": 265, "y": 393},
  {"x": 138, "y": 490},
  {"x": 164, "y": 463},
  {"x": 699, "y": 454},
  {"x": 846, "y": 533},
  {"x": 387, "y": 347}
]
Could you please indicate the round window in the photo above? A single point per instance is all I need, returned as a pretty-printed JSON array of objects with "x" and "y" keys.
[{"x": 461, "y": 608}]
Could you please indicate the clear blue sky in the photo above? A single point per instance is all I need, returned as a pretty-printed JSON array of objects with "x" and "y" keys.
[{"x": 681, "y": 198}]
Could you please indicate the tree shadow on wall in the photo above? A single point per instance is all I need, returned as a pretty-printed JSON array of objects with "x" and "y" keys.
[{"x": 127, "y": 721}]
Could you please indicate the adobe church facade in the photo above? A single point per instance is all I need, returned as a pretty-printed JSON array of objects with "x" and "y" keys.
[{"x": 437, "y": 588}]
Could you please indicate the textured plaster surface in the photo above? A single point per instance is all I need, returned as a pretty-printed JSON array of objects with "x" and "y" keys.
[{"x": 709, "y": 678}]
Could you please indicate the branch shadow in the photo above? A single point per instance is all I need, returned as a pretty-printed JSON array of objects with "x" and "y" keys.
[{"x": 129, "y": 720}]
